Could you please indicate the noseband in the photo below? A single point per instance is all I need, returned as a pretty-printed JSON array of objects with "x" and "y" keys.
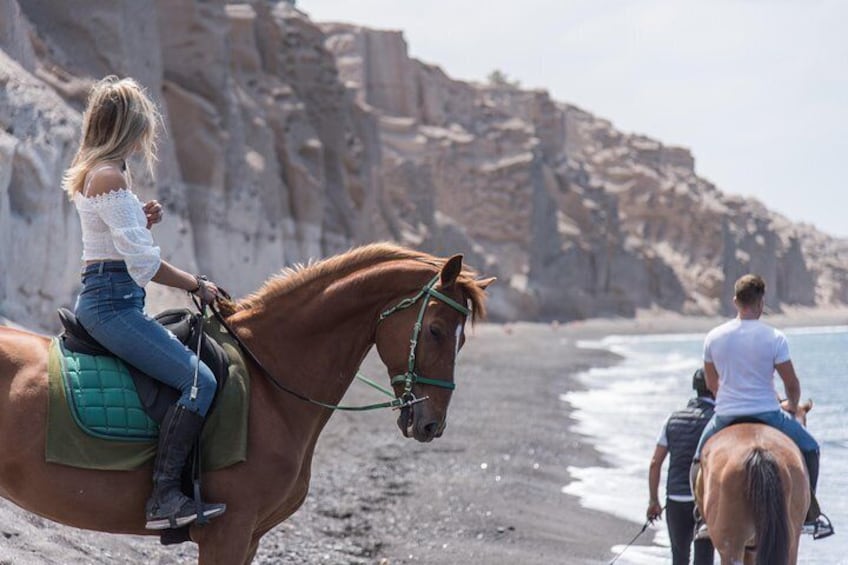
[{"x": 411, "y": 376}]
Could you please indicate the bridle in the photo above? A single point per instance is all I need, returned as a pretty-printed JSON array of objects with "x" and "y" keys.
[{"x": 409, "y": 378}]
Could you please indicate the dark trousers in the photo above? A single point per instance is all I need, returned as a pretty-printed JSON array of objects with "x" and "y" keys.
[{"x": 681, "y": 525}]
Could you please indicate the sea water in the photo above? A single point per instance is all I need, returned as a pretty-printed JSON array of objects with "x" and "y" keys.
[{"x": 624, "y": 406}]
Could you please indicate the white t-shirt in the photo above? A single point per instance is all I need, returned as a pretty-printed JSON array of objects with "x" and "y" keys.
[{"x": 744, "y": 353}]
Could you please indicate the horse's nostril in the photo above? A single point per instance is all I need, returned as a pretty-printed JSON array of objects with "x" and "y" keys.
[{"x": 431, "y": 428}]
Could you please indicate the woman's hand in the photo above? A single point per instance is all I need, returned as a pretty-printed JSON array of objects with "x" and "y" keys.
[
  {"x": 153, "y": 211},
  {"x": 206, "y": 291}
]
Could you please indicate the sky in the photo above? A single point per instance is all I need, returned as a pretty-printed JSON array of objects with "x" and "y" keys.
[{"x": 756, "y": 89}]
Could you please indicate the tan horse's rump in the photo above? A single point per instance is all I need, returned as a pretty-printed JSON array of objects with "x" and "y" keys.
[
  {"x": 753, "y": 492},
  {"x": 311, "y": 328}
]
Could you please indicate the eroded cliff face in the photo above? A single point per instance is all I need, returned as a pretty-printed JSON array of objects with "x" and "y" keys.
[
  {"x": 288, "y": 141},
  {"x": 267, "y": 159},
  {"x": 577, "y": 218}
]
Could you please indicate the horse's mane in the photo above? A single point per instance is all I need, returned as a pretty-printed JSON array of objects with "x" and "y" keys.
[{"x": 299, "y": 275}]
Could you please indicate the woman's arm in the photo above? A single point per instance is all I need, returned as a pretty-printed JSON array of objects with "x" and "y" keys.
[{"x": 174, "y": 277}]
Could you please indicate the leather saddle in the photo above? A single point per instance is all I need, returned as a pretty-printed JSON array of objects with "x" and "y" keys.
[{"x": 155, "y": 396}]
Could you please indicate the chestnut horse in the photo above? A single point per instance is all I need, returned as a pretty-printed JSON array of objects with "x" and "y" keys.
[
  {"x": 753, "y": 492},
  {"x": 311, "y": 328}
]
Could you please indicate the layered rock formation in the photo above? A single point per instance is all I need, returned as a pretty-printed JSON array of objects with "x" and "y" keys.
[
  {"x": 581, "y": 219},
  {"x": 288, "y": 141}
]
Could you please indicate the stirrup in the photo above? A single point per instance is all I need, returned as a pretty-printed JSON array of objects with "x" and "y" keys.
[
  {"x": 820, "y": 528},
  {"x": 174, "y": 521}
]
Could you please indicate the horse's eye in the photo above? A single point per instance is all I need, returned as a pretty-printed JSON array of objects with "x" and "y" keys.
[{"x": 436, "y": 331}]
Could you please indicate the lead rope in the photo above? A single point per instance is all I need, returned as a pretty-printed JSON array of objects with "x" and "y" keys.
[{"x": 626, "y": 547}]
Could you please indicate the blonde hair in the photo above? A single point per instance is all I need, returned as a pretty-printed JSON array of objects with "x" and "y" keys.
[{"x": 119, "y": 118}]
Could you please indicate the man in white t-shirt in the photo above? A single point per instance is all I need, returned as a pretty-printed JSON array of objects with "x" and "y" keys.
[{"x": 740, "y": 358}]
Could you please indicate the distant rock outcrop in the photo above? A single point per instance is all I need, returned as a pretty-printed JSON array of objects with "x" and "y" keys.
[
  {"x": 580, "y": 219},
  {"x": 289, "y": 140}
]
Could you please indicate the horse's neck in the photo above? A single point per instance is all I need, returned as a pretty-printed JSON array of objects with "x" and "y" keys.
[{"x": 314, "y": 342}]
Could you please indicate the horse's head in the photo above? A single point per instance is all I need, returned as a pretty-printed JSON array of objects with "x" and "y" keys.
[
  {"x": 418, "y": 339},
  {"x": 801, "y": 411}
]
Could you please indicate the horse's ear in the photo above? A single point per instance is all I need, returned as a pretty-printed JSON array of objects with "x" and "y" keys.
[
  {"x": 451, "y": 270},
  {"x": 483, "y": 284}
]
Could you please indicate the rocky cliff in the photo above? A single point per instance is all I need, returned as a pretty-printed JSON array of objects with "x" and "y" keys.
[
  {"x": 290, "y": 140},
  {"x": 580, "y": 219}
]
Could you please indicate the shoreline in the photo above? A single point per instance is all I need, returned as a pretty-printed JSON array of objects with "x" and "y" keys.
[{"x": 662, "y": 322}]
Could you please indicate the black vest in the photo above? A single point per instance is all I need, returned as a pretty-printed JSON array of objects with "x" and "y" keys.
[{"x": 683, "y": 432}]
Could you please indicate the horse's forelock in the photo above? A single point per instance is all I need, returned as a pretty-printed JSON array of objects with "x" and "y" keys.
[{"x": 473, "y": 293}]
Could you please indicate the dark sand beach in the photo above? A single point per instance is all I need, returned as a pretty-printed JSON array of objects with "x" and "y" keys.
[{"x": 488, "y": 492}]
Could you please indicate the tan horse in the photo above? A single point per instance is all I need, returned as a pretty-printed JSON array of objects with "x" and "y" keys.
[
  {"x": 754, "y": 492},
  {"x": 311, "y": 328}
]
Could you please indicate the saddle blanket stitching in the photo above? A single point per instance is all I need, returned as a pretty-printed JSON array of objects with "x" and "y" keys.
[{"x": 103, "y": 398}]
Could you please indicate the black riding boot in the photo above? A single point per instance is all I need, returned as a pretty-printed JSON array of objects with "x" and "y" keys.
[
  {"x": 811, "y": 458},
  {"x": 815, "y": 523},
  {"x": 167, "y": 506}
]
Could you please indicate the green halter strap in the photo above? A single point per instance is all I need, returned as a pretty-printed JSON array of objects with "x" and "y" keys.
[{"x": 411, "y": 377}]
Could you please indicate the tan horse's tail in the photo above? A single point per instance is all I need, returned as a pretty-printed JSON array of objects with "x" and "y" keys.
[{"x": 768, "y": 502}]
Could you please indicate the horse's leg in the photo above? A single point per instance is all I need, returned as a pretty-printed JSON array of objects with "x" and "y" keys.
[
  {"x": 798, "y": 498},
  {"x": 725, "y": 513},
  {"x": 225, "y": 549},
  {"x": 793, "y": 550},
  {"x": 251, "y": 552},
  {"x": 254, "y": 544},
  {"x": 226, "y": 540},
  {"x": 750, "y": 557}
]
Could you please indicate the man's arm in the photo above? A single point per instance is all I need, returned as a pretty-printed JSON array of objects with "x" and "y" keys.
[
  {"x": 791, "y": 384},
  {"x": 654, "y": 506},
  {"x": 711, "y": 375}
]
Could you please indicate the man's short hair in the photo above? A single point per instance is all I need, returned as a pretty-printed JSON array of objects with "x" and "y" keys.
[{"x": 749, "y": 289}]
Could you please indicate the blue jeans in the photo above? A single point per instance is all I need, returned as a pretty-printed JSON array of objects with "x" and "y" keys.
[
  {"x": 776, "y": 419},
  {"x": 111, "y": 308}
]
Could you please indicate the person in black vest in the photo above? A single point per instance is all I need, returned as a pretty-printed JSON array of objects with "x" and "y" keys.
[{"x": 679, "y": 437}]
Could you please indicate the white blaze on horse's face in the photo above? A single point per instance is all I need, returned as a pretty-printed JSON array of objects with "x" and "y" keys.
[{"x": 457, "y": 334}]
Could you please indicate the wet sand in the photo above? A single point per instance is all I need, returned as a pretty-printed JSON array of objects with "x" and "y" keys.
[{"x": 488, "y": 492}]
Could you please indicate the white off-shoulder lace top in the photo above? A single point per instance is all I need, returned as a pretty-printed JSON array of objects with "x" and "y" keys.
[{"x": 114, "y": 227}]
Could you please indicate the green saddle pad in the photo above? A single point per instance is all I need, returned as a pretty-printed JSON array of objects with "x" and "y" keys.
[
  {"x": 95, "y": 419},
  {"x": 102, "y": 397}
]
